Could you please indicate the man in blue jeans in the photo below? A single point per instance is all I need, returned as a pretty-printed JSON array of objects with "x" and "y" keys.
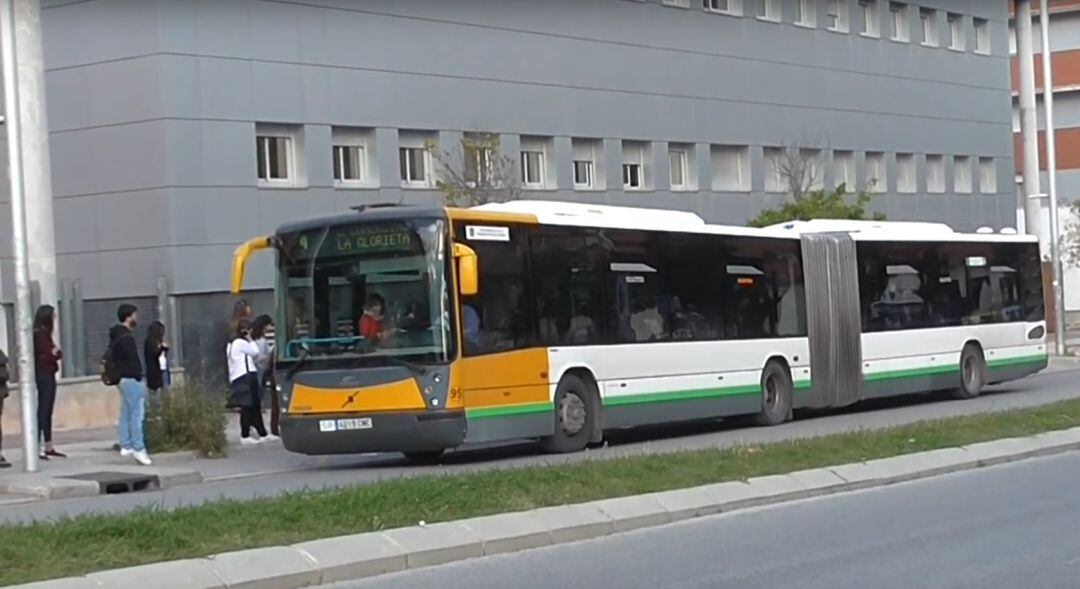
[{"x": 124, "y": 360}]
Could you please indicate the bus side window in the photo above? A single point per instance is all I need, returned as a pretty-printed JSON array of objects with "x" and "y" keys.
[
  {"x": 498, "y": 318},
  {"x": 567, "y": 278}
]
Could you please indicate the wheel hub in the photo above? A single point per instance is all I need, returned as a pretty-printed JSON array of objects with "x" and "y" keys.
[{"x": 572, "y": 413}]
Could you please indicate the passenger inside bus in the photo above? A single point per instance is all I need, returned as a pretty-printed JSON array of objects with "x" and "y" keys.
[{"x": 371, "y": 319}]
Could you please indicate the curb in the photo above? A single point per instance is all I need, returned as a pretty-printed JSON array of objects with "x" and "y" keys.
[{"x": 348, "y": 558}]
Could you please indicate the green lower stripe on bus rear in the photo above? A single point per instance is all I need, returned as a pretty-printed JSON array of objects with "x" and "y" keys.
[
  {"x": 910, "y": 373},
  {"x": 508, "y": 410},
  {"x": 1018, "y": 361},
  {"x": 687, "y": 395}
]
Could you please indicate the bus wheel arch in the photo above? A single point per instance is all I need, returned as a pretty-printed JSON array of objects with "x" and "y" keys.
[
  {"x": 777, "y": 392},
  {"x": 972, "y": 371},
  {"x": 576, "y": 413}
]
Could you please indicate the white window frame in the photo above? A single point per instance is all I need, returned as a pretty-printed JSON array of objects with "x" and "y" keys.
[
  {"x": 262, "y": 147},
  {"x": 877, "y": 175},
  {"x": 410, "y": 151},
  {"x": 988, "y": 175},
  {"x": 767, "y": 10},
  {"x": 906, "y": 174},
  {"x": 677, "y": 3},
  {"x": 340, "y": 149},
  {"x": 590, "y": 174},
  {"x": 627, "y": 168},
  {"x": 844, "y": 170},
  {"x": 734, "y": 7},
  {"x": 806, "y": 13},
  {"x": 634, "y": 154},
  {"x": 899, "y": 29},
  {"x": 836, "y": 11},
  {"x": 962, "y": 181},
  {"x": 727, "y": 158},
  {"x": 541, "y": 163},
  {"x": 982, "y": 35},
  {"x": 869, "y": 23},
  {"x": 955, "y": 23},
  {"x": 682, "y": 166},
  {"x": 935, "y": 173},
  {"x": 771, "y": 163},
  {"x": 928, "y": 27}
]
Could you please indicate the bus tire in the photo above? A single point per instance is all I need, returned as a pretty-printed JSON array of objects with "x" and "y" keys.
[
  {"x": 972, "y": 373},
  {"x": 776, "y": 395},
  {"x": 425, "y": 457},
  {"x": 574, "y": 415}
]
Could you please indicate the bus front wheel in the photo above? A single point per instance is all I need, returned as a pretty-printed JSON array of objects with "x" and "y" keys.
[
  {"x": 972, "y": 373},
  {"x": 776, "y": 393},
  {"x": 574, "y": 416}
]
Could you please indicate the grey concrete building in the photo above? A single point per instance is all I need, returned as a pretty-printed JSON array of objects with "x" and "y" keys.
[{"x": 181, "y": 127}]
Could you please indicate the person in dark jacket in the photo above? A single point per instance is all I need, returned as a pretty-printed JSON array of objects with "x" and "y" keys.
[
  {"x": 156, "y": 358},
  {"x": 123, "y": 356},
  {"x": 46, "y": 364},
  {"x": 5, "y": 376}
]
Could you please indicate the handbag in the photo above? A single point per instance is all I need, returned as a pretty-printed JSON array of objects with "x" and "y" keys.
[{"x": 240, "y": 389}]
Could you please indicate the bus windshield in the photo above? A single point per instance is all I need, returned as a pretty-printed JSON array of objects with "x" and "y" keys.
[{"x": 365, "y": 291}]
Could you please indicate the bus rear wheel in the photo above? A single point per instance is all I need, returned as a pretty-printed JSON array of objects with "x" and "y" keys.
[
  {"x": 574, "y": 416},
  {"x": 972, "y": 373},
  {"x": 776, "y": 395}
]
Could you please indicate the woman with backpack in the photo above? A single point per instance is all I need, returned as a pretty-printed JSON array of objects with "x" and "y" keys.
[
  {"x": 46, "y": 364},
  {"x": 262, "y": 331},
  {"x": 244, "y": 389}
]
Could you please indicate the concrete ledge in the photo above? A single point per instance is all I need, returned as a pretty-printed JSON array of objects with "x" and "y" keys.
[
  {"x": 279, "y": 567},
  {"x": 47, "y": 487},
  {"x": 364, "y": 555}
]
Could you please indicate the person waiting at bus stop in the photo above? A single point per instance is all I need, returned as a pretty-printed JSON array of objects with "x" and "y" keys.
[{"x": 245, "y": 391}]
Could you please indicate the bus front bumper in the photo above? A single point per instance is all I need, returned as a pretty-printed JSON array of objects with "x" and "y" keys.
[{"x": 385, "y": 432}]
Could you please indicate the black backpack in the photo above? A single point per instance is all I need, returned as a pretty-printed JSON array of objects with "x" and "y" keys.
[
  {"x": 110, "y": 372},
  {"x": 5, "y": 375}
]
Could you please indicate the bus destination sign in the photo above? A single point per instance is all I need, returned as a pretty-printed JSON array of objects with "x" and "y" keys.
[{"x": 356, "y": 241}]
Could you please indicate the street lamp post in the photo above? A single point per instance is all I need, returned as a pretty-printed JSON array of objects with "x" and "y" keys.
[
  {"x": 1051, "y": 172},
  {"x": 23, "y": 317}
]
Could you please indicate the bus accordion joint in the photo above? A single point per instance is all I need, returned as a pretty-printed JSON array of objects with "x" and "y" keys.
[
  {"x": 240, "y": 258},
  {"x": 468, "y": 274}
]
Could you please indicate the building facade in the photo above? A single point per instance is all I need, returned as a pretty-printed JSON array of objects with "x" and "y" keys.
[
  {"x": 180, "y": 128},
  {"x": 1064, "y": 26}
]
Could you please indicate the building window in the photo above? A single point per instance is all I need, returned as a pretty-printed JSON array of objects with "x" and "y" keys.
[
  {"x": 905, "y": 173},
  {"x": 349, "y": 164},
  {"x": 982, "y": 35},
  {"x": 585, "y": 164},
  {"x": 876, "y": 180},
  {"x": 987, "y": 176},
  {"x": 414, "y": 166},
  {"x": 962, "y": 175},
  {"x": 956, "y": 32},
  {"x": 805, "y": 13},
  {"x": 583, "y": 174},
  {"x": 730, "y": 169},
  {"x": 774, "y": 174},
  {"x": 844, "y": 170},
  {"x": 928, "y": 21},
  {"x": 479, "y": 162},
  {"x": 898, "y": 22},
  {"x": 532, "y": 169},
  {"x": 768, "y": 9},
  {"x": 935, "y": 174},
  {"x": 631, "y": 176},
  {"x": 633, "y": 169},
  {"x": 868, "y": 24},
  {"x": 724, "y": 6},
  {"x": 678, "y": 169},
  {"x": 836, "y": 16},
  {"x": 678, "y": 3},
  {"x": 274, "y": 159}
]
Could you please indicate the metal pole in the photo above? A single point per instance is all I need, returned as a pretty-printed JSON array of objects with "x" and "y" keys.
[
  {"x": 1051, "y": 171},
  {"x": 1029, "y": 130},
  {"x": 23, "y": 317}
]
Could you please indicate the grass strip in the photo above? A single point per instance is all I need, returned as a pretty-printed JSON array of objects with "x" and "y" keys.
[{"x": 99, "y": 542}]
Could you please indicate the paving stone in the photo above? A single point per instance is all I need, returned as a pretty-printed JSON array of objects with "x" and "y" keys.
[
  {"x": 860, "y": 475},
  {"x": 732, "y": 495},
  {"x": 49, "y": 487},
  {"x": 780, "y": 487},
  {"x": 509, "y": 532},
  {"x": 437, "y": 543},
  {"x": 688, "y": 503},
  {"x": 68, "y": 583},
  {"x": 630, "y": 513},
  {"x": 572, "y": 523},
  {"x": 355, "y": 557},
  {"x": 924, "y": 464},
  {"x": 822, "y": 479},
  {"x": 179, "y": 574},
  {"x": 1006, "y": 450},
  {"x": 278, "y": 567},
  {"x": 1067, "y": 439}
]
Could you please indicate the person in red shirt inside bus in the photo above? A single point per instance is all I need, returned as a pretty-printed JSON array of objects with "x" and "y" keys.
[{"x": 371, "y": 322}]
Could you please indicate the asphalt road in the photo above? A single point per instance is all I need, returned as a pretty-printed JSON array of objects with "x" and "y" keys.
[
  {"x": 1004, "y": 527},
  {"x": 282, "y": 472}
]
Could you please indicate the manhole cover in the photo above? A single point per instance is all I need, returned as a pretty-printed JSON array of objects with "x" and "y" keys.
[{"x": 120, "y": 482}]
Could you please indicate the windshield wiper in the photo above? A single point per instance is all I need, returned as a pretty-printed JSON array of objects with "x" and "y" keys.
[
  {"x": 415, "y": 368},
  {"x": 304, "y": 354}
]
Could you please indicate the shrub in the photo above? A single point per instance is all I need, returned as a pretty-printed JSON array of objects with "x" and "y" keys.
[{"x": 188, "y": 417}]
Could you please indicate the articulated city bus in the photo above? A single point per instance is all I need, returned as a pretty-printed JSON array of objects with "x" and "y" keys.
[{"x": 416, "y": 330}]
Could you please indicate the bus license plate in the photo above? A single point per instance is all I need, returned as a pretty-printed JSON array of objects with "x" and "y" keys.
[{"x": 331, "y": 425}]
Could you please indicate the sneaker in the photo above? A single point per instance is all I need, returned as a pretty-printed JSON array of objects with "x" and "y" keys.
[
  {"x": 249, "y": 441},
  {"x": 271, "y": 438},
  {"x": 125, "y": 452},
  {"x": 142, "y": 458},
  {"x": 4, "y": 463}
]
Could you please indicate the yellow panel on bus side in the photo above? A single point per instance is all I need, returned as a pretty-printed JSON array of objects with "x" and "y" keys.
[
  {"x": 402, "y": 395},
  {"x": 504, "y": 380}
]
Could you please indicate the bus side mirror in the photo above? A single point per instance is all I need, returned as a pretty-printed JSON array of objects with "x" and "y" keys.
[{"x": 468, "y": 273}]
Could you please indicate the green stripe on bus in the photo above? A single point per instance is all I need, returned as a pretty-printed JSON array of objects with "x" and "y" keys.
[
  {"x": 802, "y": 385},
  {"x": 1006, "y": 362},
  {"x": 685, "y": 395},
  {"x": 507, "y": 410}
]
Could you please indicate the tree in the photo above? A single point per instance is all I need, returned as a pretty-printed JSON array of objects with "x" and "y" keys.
[
  {"x": 799, "y": 170},
  {"x": 475, "y": 172},
  {"x": 819, "y": 204},
  {"x": 1070, "y": 238}
]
